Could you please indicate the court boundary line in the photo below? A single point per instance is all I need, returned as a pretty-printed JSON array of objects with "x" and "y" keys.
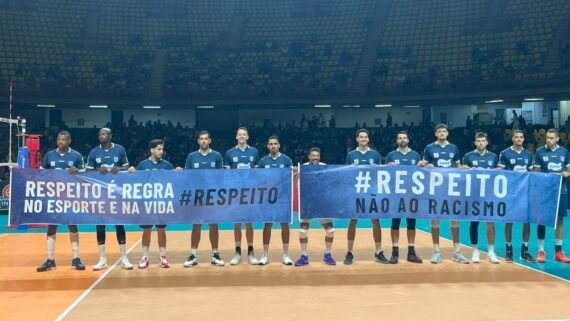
[
  {"x": 94, "y": 285},
  {"x": 2, "y": 235},
  {"x": 517, "y": 263}
]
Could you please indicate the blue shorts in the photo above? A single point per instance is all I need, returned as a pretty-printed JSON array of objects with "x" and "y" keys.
[{"x": 150, "y": 226}]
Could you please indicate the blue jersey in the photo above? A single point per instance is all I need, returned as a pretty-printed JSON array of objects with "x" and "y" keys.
[
  {"x": 149, "y": 165},
  {"x": 370, "y": 157},
  {"x": 282, "y": 161},
  {"x": 441, "y": 156},
  {"x": 487, "y": 160},
  {"x": 197, "y": 160},
  {"x": 512, "y": 160},
  {"x": 396, "y": 156},
  {"x": 54, "y": 160},
  {"x": 116, "y": 156},
  {"x": 241, "y": 158},
  {"x": 551, "y": 161}
]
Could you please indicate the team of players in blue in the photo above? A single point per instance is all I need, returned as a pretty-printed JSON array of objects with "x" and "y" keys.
[{"x": 111, "y": 158}]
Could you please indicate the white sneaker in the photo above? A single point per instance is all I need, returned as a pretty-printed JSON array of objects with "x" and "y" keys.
[
  {"x": 143, "y": 264},
  {"x": 217, "y": 260},
  {"x": 286, "y": 259},
  {"x": 236, "y": 259},
  {"x": 251, "y": 258},
  {"x": 125, "y": 264},
  {"x": 101, "y": 265},
  {"x": 475, "y": 258},
  {"x": 264, "y": 260},
  {"x": 191, "y": 261},
  {"x": 492, "y": 257}
]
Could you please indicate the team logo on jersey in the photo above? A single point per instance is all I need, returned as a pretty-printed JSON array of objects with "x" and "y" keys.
[
  {"x": 475, "y": 162},
  {"x": 196, "y": 165},
  {"x": 513, "y": 161},
  {"x": 6, "y": 191},
  {"x": 397, "y": 161},
  {"x": 545, "y": 158},
  {"x": 562, "y": 158},
  {"x": 281, "y": 166},
  {"x": 235, "y": 159},
  {"x": 115, "y": 159},
  {"x": 355, "y": 162},
  {"x": 267, "y": 166},
  {"x": 444, "y": 162},
  {"x": 490, "y": 163},
  {"x": 526, "y": 161},
  {"x": 371, "y": 161},
  {"x": 451, "y": 155},
  {"x": 251, "y": 158},
  {"x": 70, "y": 163},
  {"x": 519, "y": 168},
  {"x": 413, "y": 161},
  {"x": 98, "y": 160},
  {"x": 555, "y": 167},
  {"x": 213, "y": 164},
  {"x": 435, "y": 155},
  {"x": 52, "y": 163}
]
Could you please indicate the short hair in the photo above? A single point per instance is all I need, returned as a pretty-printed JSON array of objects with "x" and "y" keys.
[
  {"x": 314, "y": 149},
  {"x": 204, "y": 132},
  {"x": 362, "y": 130},
  {"x": 243, "y": 128},
  {"x": 273, "y": 137},
  {"x": 554, "y": 131},
  {"x": 517, "y": 131},
  {"x": 64, "y": 133},
  {"x": 403, "y": 132},
  {"x": 481, "y": 135},
  {"x": 106, "y": 129},
  {"x": 154, "y": 143},
  {"x": 439, "y": 126}
]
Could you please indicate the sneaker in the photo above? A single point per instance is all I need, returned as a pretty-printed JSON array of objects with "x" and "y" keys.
[
  {"x": 412, "y": 257},
  {"x": 236, "y": 259},
  {"x": 541, "y": 257},
  {"x": 164, "y": 262},
  {"x": 125, "y": 264},
  {"x": 380, "y": 258},
  {"x": 76, "y": 264},
  {"x": 251, "y": 258},
  {"x": 348, "y": 258},
  {"x": 459, "y": 258},
  {"x": 509, "y": 254},
  {"x": 436, "y": 258},
  {"x": 527, "y": 257},
  {"x": 285, "y": 259},
  {"x": 328, "y": 259},
  {"x": 395, "y": 255},
  {"x": 191, "y": 261},
  {"x": 101, "y": 265},
  {"x": 303, "y": 260},
  {"x": 492, "y": 258},
  {"x": 559, "y": 257},
  {"x": 217, "y": 259},
  {"x": 263, "y": 260},
  {"x": 475, "y": 258},
  {"x": 46, "y": 266},
  {"x": 143, "y": 263}
]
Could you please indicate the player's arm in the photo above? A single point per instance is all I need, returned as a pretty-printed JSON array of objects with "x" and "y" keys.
[
  {"x": 465, "y": 162},
  {"x": 427, "y": 160},
  {"x": 124, "y": 161},
  {"x": 501, "y": 164}
]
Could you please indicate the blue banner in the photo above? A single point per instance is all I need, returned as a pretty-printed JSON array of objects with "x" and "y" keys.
[
  {"x": 151, "y": 197},
  {"x": 335, "y": 191}
]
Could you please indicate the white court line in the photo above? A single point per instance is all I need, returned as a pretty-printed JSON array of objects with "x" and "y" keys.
[
  {"x": 2, "y": 235},
  {"x": 517, "y": 263},
  {"x": 86, "y": 293}
]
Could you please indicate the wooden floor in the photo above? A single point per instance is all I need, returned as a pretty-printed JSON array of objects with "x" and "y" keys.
[{"x": 364, "y": 291}]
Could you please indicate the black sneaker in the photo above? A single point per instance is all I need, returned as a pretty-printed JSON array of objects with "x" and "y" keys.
[
  {"x": 412, "y": 257},
  {"x": 217, "y": 259},
  {"x": 395, "y": 255},
  {"x": 48, "y": 265},
  {"x": 380, "y": 258},
  {"x": 525, "y": 256},
  {"x": 509, "y": 254},
  {"x": 76, "y": 264},
  {"x": 348, "y": 258}
]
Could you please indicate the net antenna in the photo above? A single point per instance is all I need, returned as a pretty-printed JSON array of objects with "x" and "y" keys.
[{"x": 10, "y": 121}]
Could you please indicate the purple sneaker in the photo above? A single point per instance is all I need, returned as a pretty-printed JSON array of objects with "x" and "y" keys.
[
  {"x": 303, "y": 260},
  {"x": 328, "y": 259}
]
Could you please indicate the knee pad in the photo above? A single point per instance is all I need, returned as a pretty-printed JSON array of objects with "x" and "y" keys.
[
  {"x": 303, "y": 233},
  {"x": 329, "y": 232}
]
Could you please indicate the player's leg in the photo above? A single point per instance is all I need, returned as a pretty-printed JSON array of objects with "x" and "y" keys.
[
  {"x": 161, "y": 235},
  {"x": 436, "y": 256},
  {"x": 145, "y": 244},
  {"x": 74, "y": 240},
  {"x": 236, "y": 259},
  {"x": 525, "y": 255},
  {"x": 411, "y": 234},
  {"x": 101, "y": 236},
  {"x": 266, "y": 239},
  {"x": 194, "y": 243},
  {"x": 329, "y": 239},
  {"x": 474, "y": 236},
  {"x": 491, "y": 256},
  {"x": 304, "y": 241},
  {"x": 49, "y": 264},
  {"x": 457, "y": 256},
  {"x": 214, "y": 239},
  {"x": 509, "y": 257},
  {"x": 350, "y": 240},
  {"x": 250, "y": 252},
  {"x": 122, "y": 240},
  {"x": 285, "y": 235},
  {"x": 377, "y": 234}
]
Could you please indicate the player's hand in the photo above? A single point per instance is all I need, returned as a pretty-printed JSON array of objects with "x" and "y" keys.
[
  {"x": 103, "y": 170},
  {"x": 430, "y": 166},
  {"x": 422, "y": 163},
  {"x": 179, "y": 169},
  {"x": 72, "y": 170},
  {"x": 392, "y": 164},
  {"x": 465, "y": 167},
  {"x": 114, "y": 170},
  {"x": 132, "y": 169},
  {"x": 565, "y": 174}
]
